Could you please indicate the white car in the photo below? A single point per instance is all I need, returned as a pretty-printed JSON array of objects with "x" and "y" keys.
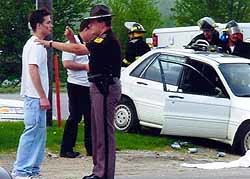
[
  {"x": 188, "y": 93},
  {"x": 11, "y": 109}
]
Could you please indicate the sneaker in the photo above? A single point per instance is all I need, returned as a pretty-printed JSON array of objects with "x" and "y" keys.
[
  {"x": 69, "y": 154},
  {"x": 21, "y": 177},
  {"x": 27, "y": 177},
  {"x": 36, "y": 176}
]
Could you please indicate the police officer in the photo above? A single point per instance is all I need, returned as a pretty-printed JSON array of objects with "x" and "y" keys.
[
  {"x": 136, "y": 46},
  {"x": 105, "y": 87},
  {"x": 105, "y": 90},
  {"x": 207, "y": 25},
  {"x": 236, "y": 46}
]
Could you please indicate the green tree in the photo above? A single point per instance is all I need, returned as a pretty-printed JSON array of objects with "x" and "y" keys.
[
  {"x": 187, "y": 12},
  {"x": 68, "y": 12},
  {"x": 144, "y": 12},
  {"x": 14, "y": 29},
  {"x": 13, "y": 33}
]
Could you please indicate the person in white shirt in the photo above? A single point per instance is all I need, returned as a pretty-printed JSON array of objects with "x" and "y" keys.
[
  {"x": 34, "y": 89},
  {"x": 79, "y": 98}
]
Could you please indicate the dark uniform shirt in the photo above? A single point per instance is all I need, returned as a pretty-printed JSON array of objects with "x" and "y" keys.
[
  {"x": 105, "y": 55},
  {"x": 136, "y": 48},
  {"x": 241, "y": 49},
  {"x": 215, "y": 40}
]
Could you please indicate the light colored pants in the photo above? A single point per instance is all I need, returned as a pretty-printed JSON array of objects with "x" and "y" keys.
[{"x": 32, "y": 142}]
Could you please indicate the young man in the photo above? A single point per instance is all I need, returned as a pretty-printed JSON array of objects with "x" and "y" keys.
[
  {"x": 34, "y": 89},
  {"x": 79, "y": 98}
]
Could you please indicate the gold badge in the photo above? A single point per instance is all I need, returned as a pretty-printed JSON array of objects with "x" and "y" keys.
[{"x": 98, "y": 40}]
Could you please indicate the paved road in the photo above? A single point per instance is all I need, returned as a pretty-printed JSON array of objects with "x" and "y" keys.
[
  {"x": 138, "y": 165},
  {"x": 63, "y": 99}
]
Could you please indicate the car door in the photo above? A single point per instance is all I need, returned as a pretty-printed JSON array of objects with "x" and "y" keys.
[
  {"x": 195, "y": 110},
  {"x": 148, "y": 94}
]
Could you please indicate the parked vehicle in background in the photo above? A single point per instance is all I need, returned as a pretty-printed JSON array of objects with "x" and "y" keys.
[
  {"x": 11, "y": 109},
  {"x": 177, "y": 37},
  {"x": 188, "y": 93}
]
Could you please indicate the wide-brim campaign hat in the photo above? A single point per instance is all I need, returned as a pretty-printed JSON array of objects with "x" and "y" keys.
[{"x": 99, "y": 11}]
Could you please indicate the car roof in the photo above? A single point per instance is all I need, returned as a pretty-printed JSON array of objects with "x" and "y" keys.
[{"x": 205, "y": 56}]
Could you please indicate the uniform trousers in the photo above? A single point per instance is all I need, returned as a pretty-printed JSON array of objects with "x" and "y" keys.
[
  {"x": 79, "y": 105},
  {"x": 102, "y": 143}
]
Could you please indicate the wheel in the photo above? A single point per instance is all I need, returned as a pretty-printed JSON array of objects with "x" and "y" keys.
[
  {"x": 125, "y": 116},
  {"x": 242, "y": 143}
]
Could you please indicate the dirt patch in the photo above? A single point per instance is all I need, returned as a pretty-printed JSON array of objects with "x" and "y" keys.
[{"x": 127, "y": 163}]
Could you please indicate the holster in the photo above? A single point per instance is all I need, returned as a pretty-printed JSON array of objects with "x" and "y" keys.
[
  {"x": 103, "y": 87},
  {"x": 102, "y": 82}
]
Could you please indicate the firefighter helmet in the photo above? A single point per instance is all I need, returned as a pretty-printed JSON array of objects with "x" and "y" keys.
[
  {"x": 206, "y": 23},
  {"x": 136, "y": 27},
  {"x": 232, "y": 27}
]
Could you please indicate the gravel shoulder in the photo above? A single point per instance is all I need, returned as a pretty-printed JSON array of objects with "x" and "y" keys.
[{"x": 128, "y": 163}]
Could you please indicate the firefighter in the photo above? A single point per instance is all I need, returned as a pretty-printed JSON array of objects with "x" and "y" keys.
[
  {"x": 235, "y": 45},
  {"x": 207, "y": 25},
  {"x": 136, "y": 46}
]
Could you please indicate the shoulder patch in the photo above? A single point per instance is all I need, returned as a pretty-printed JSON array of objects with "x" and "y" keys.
[{"x": 98, "y": 40}]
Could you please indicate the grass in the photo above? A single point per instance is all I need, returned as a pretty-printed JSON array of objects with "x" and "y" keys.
[
  {"x": 11, "y": 131},
  {"x": 9, "y": 89},
  {"x": 16, "y": 89}
]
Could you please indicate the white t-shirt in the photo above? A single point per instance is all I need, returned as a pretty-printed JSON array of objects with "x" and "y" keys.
[
  {"x": 79, "y": 77},
  {"x": 33, "y": 53}
]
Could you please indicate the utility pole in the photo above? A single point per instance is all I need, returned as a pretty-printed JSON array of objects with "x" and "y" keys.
[{"x": 48, "y": 5}]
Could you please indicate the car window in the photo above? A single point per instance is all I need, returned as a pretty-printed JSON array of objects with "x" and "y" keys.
[
  {"x": 153, "y": 72},
  {"x": 171, "y": 71},
  {"x": 209, "y": 73},
  {"x": 237, "y": 77},
  {"x": 139, "y": 69},
  {"x": 194, "y": 83}
]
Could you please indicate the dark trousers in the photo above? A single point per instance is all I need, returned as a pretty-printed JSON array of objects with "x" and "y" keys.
[
  {"x": 103, "y": 133},
  {"x": 79, "y": 105}
]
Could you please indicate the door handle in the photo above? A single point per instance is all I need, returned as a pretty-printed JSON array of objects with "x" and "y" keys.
[
  {"x": 173, "y": 96},
  {"x": 141, "y": 83}
]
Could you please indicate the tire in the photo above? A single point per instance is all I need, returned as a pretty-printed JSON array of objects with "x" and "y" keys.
[
  {"x": 242, "y": 142},
  {"x": 126, "y": 119}
]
